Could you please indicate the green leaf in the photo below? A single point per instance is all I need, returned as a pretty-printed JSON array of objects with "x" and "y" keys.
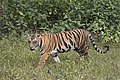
[{"x": 21, "y": 13}]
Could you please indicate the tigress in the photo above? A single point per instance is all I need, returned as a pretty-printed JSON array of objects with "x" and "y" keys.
[{"x": 51, "y": 44}]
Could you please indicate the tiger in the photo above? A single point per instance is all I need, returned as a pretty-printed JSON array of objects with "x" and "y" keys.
[{"x": 54, "y": 43}]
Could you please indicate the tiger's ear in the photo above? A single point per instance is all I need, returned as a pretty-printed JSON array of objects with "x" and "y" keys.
[{"x": 38, "y": 35}]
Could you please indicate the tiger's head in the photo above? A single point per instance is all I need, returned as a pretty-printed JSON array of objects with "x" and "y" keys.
[{"x": 34, "y": 41}]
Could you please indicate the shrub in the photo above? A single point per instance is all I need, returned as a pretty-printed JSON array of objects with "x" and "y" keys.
[{"x": 98, "y": 16}]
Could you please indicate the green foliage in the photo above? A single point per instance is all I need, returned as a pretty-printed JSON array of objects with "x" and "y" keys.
[
  {"x": 99, "y": 16},
  {"x": 17, "y": 62}
]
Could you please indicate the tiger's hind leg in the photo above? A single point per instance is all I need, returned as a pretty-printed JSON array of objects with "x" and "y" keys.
[
  {"x": 55, "y": 57},
  {"x": 81, "y": 52},
  {"x": 83, "y": 49}
]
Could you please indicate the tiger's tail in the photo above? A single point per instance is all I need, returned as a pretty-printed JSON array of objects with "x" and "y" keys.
[{"x": 95, "y": 47}]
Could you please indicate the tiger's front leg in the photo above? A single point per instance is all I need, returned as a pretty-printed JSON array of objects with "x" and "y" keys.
[{"x": 43, "y": 59}]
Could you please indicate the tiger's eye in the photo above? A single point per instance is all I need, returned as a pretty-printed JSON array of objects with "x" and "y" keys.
[{"x": 29, "y": 41}]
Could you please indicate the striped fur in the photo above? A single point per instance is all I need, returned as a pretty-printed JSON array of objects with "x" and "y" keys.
[{"x": 51, "y": 44}]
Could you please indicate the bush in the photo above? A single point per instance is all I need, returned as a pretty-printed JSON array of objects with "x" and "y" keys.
[{"x": 98, "y": 16}]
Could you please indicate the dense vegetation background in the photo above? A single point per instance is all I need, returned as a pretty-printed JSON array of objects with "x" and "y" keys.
[
  {"x": 98, "y": 16},
  {"x": 18, "y": 18}
]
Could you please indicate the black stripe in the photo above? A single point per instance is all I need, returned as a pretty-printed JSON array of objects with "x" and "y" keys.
[
  {"x": 54, "y": 38},
  {"x": 98, "y": 50},
  {"x": 63, "y": 50},
  {"x": 78, "y": 31},
  {"x": 64, "y": 41},
  {"x": 40, "y": 43},
  {"x": 94, "y": 45},
  {"x": 74, "y": 35},
  {"x": 69, "y": 34},
  {"x": 69, "y": 47},
  {"x": 41, "y": 51},
  {"x": 74, "y": 45},
  {"x": 77, "y": 35},
  {"x": 95, "y": 48},
  {"x": 59, "y": 46},
  {"x": 58, "y": 50},
  {"x": 42, "y": 54},
  {"x": 91, "y": 39},
  {"x": 54, "y": 55},
  {"x": 58, "y": 37},
  {"x": 66, "y": 35},
  {"x": 71, "y": 42}
]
